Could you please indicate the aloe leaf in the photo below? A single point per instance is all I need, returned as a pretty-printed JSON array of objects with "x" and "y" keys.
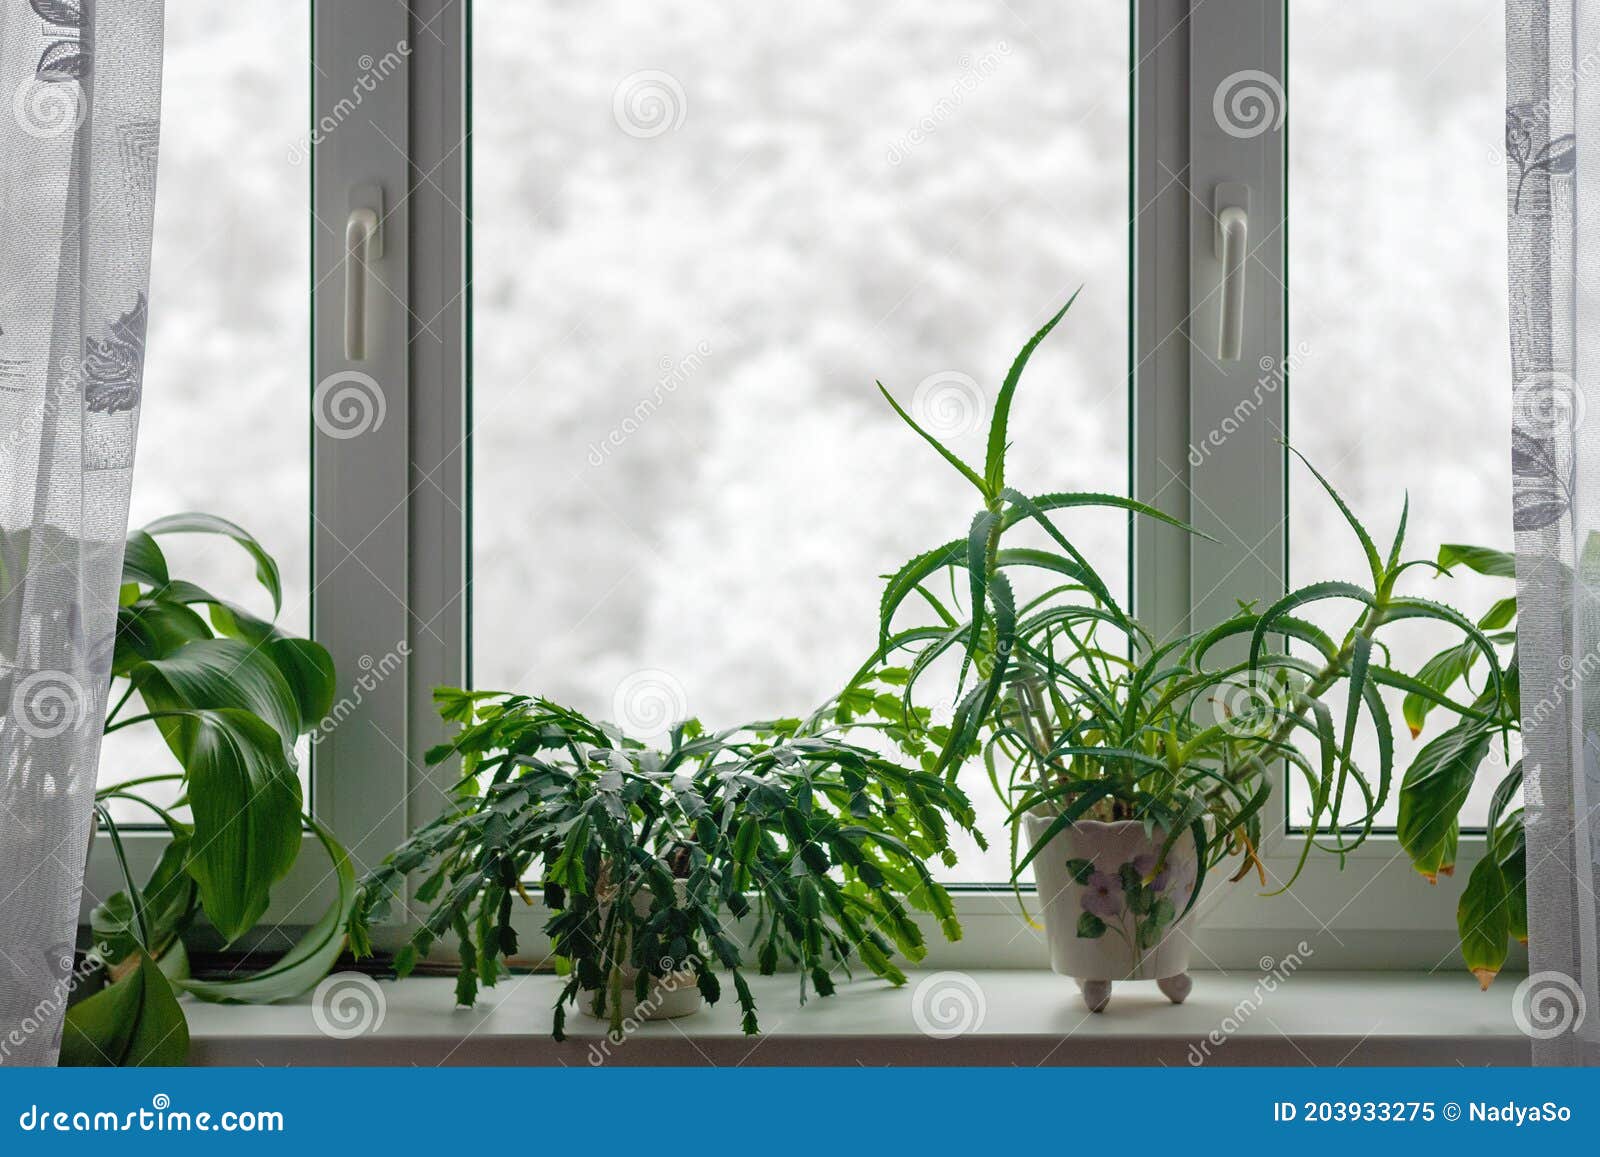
[
  {"x": 1360, "y": 653},
  {"x": 945, "y": 452},
  {"x": 1092, "y": 580},
  {"x": 1390, "y": 677},
  {"x": 910, "y": 576},
  {"x": 1368, "y": 547},
  {"x": 978, "y": 537},
  {"x": 995, "y": 460},
  {"x": 1385, "y": 734},
  {"x": 1312, "y": 593},
  {"x": 1415, "y": 608},
  {"x": 1399, "y": 537}
]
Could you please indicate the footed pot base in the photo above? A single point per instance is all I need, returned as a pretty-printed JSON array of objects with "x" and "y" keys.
[{"x": 1097, "y": 993}]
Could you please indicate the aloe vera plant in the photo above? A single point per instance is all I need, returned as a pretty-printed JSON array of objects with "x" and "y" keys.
[
  {"x": 757, "y": 843},
  {"x": 1078, "y": 711}
]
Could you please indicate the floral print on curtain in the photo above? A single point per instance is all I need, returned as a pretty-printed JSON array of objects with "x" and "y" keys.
[
  {"x": 79, "y": 103},
  {"x": 1552, "y": 146}
]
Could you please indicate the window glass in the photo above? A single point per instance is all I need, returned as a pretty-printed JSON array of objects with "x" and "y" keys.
[
  {"x": 1399, "y": 360},
  {"x": 698, "y": 239},
  {"x": 224, "y": 424}
]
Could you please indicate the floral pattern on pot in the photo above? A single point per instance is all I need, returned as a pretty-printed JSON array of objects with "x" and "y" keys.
[
  {"x": 1138, "y": 902},
  {"x": 1115, "y": 898}
]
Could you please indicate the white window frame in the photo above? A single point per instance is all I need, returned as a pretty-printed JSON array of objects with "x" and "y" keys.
[{"x": 391, "y": 537}]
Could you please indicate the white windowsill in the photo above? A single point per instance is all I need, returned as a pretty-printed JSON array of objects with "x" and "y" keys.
[{"x": 1029, "y": 1018}]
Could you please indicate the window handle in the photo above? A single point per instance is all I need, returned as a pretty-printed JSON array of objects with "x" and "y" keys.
[
  {"x": 1232, "y": 240},
  {"x": 363, "y": 244}
]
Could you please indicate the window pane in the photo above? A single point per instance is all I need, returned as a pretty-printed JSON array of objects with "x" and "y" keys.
[
  {"x": 698, "y": 239},
  {"x": 224, "y": 425},
  {"x": 1399, "y": 365}
]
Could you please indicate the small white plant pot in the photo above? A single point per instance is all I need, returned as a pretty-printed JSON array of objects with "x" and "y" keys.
[
  {"x": 1103, "y": 897},
  {"x": 667, "y": 997}
]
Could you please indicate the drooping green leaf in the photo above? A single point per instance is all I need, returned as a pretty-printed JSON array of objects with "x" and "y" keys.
[
  {"x": 1498, "y": 563},
  {"x": 1511, "y": 849},
  {"x": 246, "y": 802},
  {"x": 169, "y": 902},
  {"x": 143, "y": 563},
  {"x": 300, "y": 968},
  {"x": 135, "y": 1022},
  {"x": 1440, "y": 672},
  {"x": 308, "y": 670},
  {"x": 196, "y": 523},
  {"x": 218, "y": 673},
  {"x": 153, "y": 629},
  {"x": 1483, "y": 919},
  {"x": 1499, "y": 615},
  {"x": 1434, "y": 788}
]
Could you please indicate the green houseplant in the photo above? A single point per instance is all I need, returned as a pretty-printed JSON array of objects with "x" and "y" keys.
[
  {"x": 816, "y": 847},
  {"x": 229, "y": 693},
  {"x": 1493, "y": 909},
  {"x": 1131, "y": 765}
]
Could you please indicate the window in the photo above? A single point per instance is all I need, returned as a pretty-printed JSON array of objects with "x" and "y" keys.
[
  {"x": 230, "y": 332},
  {"x": 1397, "y": 326},
  {"x": 614, "y": 437},
  {"x": 691, "y": 264}
]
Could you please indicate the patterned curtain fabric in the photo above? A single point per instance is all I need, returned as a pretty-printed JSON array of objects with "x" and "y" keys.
[
  {"x": 1552, "y": 139},
  {"x": 80, "y": 85}
]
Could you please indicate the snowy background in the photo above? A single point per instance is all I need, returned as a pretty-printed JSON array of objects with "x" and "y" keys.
[
  {"x": 225, "y": 421},
  {"x": 1397, "y": 296},
  {"x": 827, "y": 195},
  {"x": 699, "y": 238}
]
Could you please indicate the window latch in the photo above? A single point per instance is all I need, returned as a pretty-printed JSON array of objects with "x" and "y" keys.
[
  {"x": 1231, "y": 211},
  {"x": 363, "y": 244}
]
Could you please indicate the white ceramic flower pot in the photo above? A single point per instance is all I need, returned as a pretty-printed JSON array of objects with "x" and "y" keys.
[
  {"x": 1104, "y": 904},
  {"x": 667, "y": 997}
]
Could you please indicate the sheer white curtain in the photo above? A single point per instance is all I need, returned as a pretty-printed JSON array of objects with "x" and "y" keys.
[
  {"x": 80, "y": 85},
  {"x": 1553, "y": 160}
]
